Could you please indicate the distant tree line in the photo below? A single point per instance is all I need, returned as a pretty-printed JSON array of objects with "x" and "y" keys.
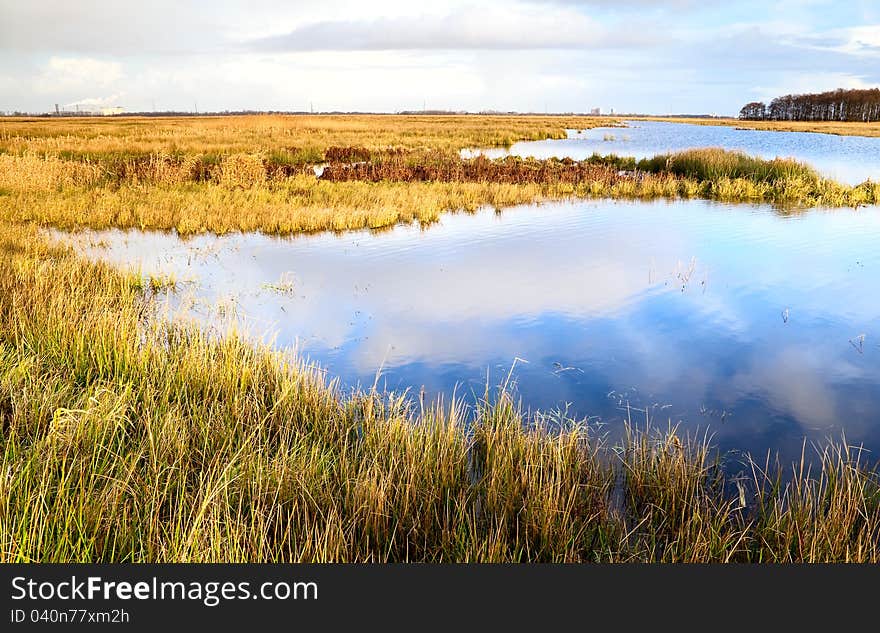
[{"x": 835, "y": 105}]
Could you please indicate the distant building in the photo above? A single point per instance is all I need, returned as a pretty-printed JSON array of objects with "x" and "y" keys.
[
  {"x": 112, "y": 111},
  {"x": 596, "y": 111}
]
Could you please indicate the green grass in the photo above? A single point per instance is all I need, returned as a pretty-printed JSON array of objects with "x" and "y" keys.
[{"x": 715, "y": 164}]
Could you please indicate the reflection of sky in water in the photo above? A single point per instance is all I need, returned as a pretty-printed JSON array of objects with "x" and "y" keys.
[
  {"x": 848, "y": 159},
  {"x": 731, "y": 316}
]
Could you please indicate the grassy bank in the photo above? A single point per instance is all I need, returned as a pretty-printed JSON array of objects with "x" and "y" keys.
[
  {"x": 126, "y": 440},
  {"x": 249, "y": 192},
  {"x": 819, "y": 127},
  {"x": 224, "y": 174}
]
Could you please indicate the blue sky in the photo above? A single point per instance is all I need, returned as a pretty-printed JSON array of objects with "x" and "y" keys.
[{"x": 682, "y": 56}]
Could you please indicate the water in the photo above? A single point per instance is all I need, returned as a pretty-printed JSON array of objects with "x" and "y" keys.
[
  {"x": 847, "y": 159},
  {"x": 763, "y": 326}
]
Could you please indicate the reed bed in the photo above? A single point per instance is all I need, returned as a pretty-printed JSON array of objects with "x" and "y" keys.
[
  {"x": 716, "y": 163},
  {"x": 302, "y": 136},
  {"x": 249, "y": 192},
  {"x": 442, "y": 167},
  {"x": 224, "y": 174},
  {"x": 709, "y": 173},
  {"x": 130, "y": 439}
]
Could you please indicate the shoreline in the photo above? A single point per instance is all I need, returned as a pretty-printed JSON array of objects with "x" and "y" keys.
[{"x": 835, "y": 128}]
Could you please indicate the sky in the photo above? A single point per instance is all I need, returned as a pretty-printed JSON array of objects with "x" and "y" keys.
[{"x": 680, "y": 56}]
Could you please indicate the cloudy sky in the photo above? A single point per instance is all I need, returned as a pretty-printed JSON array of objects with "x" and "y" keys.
[{"x": 679, "y": 56}]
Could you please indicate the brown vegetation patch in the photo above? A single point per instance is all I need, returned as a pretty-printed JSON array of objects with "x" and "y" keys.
[
  {"x": 444, "y": 167},
  {"x": 338, "y": 154}
]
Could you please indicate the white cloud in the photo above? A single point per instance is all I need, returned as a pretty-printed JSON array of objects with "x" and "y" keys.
[
  {"x": 170, "y": 27},
  {"x": 97, "y": 102},
  {"x": 862, "y": 40},
  {"x": 801, "y": 83},
  {"x": 493, "y": 27},
  {"x": 65, "y": 74},
  {"x": 92, "y": 26},
  {"x": 559, "y": 55}
]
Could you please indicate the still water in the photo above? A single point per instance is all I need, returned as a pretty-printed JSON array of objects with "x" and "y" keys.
[
  {"x": 847, "y": 159},
  {"x": 763, "y": 326}
]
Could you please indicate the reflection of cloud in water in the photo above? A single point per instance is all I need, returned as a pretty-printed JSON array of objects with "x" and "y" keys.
[
  {"x": 680, "y": 302},
  {"x": 793, "y": 380}
]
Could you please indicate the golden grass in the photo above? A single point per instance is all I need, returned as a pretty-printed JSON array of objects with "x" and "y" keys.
[
  {"x": 148, "y": 172},
  {"x": 306, "y": 205},
  {"x": 301, "y": 204},
  {"x": 248, "y": 134},
  {"x": 251, "y": 173},
  {"x": 822, "y": 127},
  {"x": 238, "y": 193}
]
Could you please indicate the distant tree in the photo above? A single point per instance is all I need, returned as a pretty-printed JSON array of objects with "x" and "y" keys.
[
  {"x": 754, "y": 111},
  {"x": 834, "y": 105}
]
